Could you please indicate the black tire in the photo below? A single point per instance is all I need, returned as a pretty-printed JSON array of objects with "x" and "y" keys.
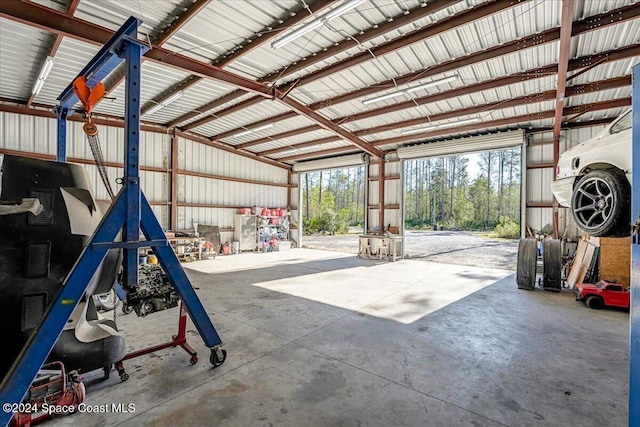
[
  {"x": 594, "y": 302},
  {"x": 527, "y": 257},
  {"x": 601, "y": 204},
  {"x": 552, "y": 265}
]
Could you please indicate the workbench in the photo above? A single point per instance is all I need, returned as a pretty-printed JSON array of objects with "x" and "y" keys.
[{"x": 187, "y": 248}]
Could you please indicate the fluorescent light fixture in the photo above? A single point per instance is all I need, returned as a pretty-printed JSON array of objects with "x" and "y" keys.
[
  {"x": 172, "y": 98},
  {"x": 296, "y": 34},
  {"x": 164, "y": 103},
  {"x": 417, "y": 130},
  {"x": 432, "y": 83},
  {"x": 443, "y": 125},
  {"x": 410, "y": 90},
  {"x": 44, "y": 73},
  {"x": 153, "y": 109},
  {"x": 383, "y": 97},
  {"x": 258, "y": 129},
  {"x": 243, "y": 133},
  {"x": 341, "y": 10},
  {"x": 316, "y": 23},
  {"x": 37, "y": 87},
  {"x": 263, "y": 127},
  {"x": 460, "y": 122},
  {"x": 46, "y": 68}
]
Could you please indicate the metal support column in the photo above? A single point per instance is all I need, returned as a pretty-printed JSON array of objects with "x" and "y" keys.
[
  {"x": 300, "y": 216},
  {"x": 173, "y": 190},
  {"x": 381, "y": 175},
  {"x": 131, "y": 229},
  {"x": 365, "y": 207},
  {"x": 129, "y": 213},
  {"x": 634, "y": 322}
]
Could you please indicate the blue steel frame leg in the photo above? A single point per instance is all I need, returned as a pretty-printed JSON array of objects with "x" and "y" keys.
[
  {"x": 634, "y": 322},
  {"x": 139, "y": 214},
  {"x": 171, "y": 265},
  {"x": 131, "y": 232}
]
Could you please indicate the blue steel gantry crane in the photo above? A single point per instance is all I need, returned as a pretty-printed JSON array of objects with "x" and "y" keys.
[{"x": 129, "y": 214}]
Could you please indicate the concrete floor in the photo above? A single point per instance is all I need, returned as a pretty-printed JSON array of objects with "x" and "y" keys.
[
  {"x": 320, "y": 338},
  {"x": 449, "y": 247}
]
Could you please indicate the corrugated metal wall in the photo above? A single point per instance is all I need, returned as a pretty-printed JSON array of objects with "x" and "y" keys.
[
  {"x": 538, "y": 179},
  {"x": 38, "y": 135},
  {"x": 31, "y": 134},
  {"x": 205, "y": 197},
  {"x": 225, "y": 196}
]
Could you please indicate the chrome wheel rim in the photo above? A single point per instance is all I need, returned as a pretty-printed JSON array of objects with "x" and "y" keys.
[{"x": 593, "y": 203}]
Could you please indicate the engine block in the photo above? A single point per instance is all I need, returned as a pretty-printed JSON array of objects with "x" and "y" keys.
[{"x": 153, "y": 293}]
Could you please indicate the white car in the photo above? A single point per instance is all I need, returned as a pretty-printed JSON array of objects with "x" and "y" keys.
[{"x": 594, "y": 180}]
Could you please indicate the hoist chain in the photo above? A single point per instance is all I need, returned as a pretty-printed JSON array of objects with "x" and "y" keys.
[{"x": 91, "y": 131}]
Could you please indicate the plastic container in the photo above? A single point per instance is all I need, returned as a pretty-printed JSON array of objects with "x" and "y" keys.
[
  {"x": 283, "y": 245},
  {"x": 244, "y": 211}
]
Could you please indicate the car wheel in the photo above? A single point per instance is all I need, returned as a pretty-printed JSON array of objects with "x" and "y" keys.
[
  {"x": 552, "y": 265},
  {"x": 526, "y": 268},
  {"x": 601, "y": 204},
  {"x": 594, "y": 302}
]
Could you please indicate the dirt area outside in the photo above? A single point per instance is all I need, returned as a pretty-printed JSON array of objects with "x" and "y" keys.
[{"x": 451, "y": 247}]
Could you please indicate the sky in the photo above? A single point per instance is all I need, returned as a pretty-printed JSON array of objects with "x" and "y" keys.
[{"x": 472, "y": 167}]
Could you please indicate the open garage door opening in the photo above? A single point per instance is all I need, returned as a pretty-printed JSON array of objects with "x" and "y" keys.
[
  {"x": 462, "y": 200},
  {"x": 333, "y": 201},
  {"x": 476, "y": 192}
]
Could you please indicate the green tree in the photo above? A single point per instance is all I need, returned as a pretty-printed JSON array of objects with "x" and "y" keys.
[{"x": 333, "y": 200}]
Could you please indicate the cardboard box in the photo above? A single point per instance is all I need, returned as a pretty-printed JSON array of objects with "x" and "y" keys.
[{"x": 615, "y": 259}]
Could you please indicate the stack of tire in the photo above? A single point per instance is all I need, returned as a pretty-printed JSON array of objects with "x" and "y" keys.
[{"x": 551, "y": 261}]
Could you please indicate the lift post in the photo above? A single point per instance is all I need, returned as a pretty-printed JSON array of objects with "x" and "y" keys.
[
  {"x": 130, "y": 213},
  {"x": 634, "y": 322}
]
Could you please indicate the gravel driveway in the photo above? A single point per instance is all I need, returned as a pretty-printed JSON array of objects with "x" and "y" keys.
[{"x": 451, "y": 247}]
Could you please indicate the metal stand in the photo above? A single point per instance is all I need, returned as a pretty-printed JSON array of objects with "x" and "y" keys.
[
  {"x": 177, "y": 340},
  {"x": 129, "y": 214},
  {"x": 634, "y": 329}
]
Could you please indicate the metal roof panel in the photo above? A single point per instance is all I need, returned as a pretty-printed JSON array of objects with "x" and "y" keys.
[{"x": 23, "y": 51}]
